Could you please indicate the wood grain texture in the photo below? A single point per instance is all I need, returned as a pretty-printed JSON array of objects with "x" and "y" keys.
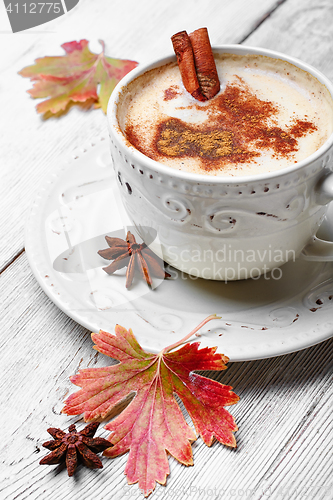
[
  {"x": 302, "y": 29},
  {"x": 285, "y": 412},
  {"x": 32, "y": 147}
]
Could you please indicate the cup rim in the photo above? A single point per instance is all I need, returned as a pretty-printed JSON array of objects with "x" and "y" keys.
[{"x": 209, "y": 179}]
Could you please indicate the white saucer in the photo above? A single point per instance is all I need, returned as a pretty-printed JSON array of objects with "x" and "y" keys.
[{"x": 66, "y": 226}]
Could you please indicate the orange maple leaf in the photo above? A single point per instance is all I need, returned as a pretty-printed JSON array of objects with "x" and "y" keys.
[
  {"x": 75, "y": 77},
  {"x": 153, "y": 424}
]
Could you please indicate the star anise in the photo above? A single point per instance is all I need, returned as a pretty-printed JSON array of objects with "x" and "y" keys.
[
  {"x": 75, "y": 447},
  {"x": 133, "y": 255}
]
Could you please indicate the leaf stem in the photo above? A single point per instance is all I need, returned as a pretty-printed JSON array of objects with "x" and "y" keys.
[
  {"x": 176, "y": 344},
  {"x": 103, "y": 46}
]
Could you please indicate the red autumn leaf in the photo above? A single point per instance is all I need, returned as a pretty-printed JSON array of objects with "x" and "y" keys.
[
  {"x": 75, "y": 77},
  {"x": 153, "y": 424}
]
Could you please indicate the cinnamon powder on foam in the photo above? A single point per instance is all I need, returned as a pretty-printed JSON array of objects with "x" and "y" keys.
[{"x": 239, "y": 128}]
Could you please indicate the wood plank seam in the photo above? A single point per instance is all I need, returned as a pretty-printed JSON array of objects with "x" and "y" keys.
[{"x": 12, "y": 260}]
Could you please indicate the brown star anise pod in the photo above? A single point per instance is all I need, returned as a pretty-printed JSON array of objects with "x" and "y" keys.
[
  {"x": 75, "y": 447},
  {"x": 134, "y": 255}
]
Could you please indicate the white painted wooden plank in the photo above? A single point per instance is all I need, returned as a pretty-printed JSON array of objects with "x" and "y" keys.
[
  {"x": 283, "y": 439},
  {"x": 32, "y": 147}
]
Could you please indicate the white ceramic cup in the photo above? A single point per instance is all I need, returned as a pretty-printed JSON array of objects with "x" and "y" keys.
[{"x": 226, "y": 228}]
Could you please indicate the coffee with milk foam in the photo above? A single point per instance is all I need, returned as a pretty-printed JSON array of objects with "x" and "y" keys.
[{"x": 268, "y": 115}]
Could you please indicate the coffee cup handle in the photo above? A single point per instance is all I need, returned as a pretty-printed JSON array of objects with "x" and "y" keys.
[{"x": 318, "y": 249}]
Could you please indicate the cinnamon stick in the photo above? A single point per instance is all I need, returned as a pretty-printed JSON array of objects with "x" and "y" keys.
[
  {"x": 185, "y": 58},
  {"x": 196, "y": 63},
  {"x": 204, "y": 62}
]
